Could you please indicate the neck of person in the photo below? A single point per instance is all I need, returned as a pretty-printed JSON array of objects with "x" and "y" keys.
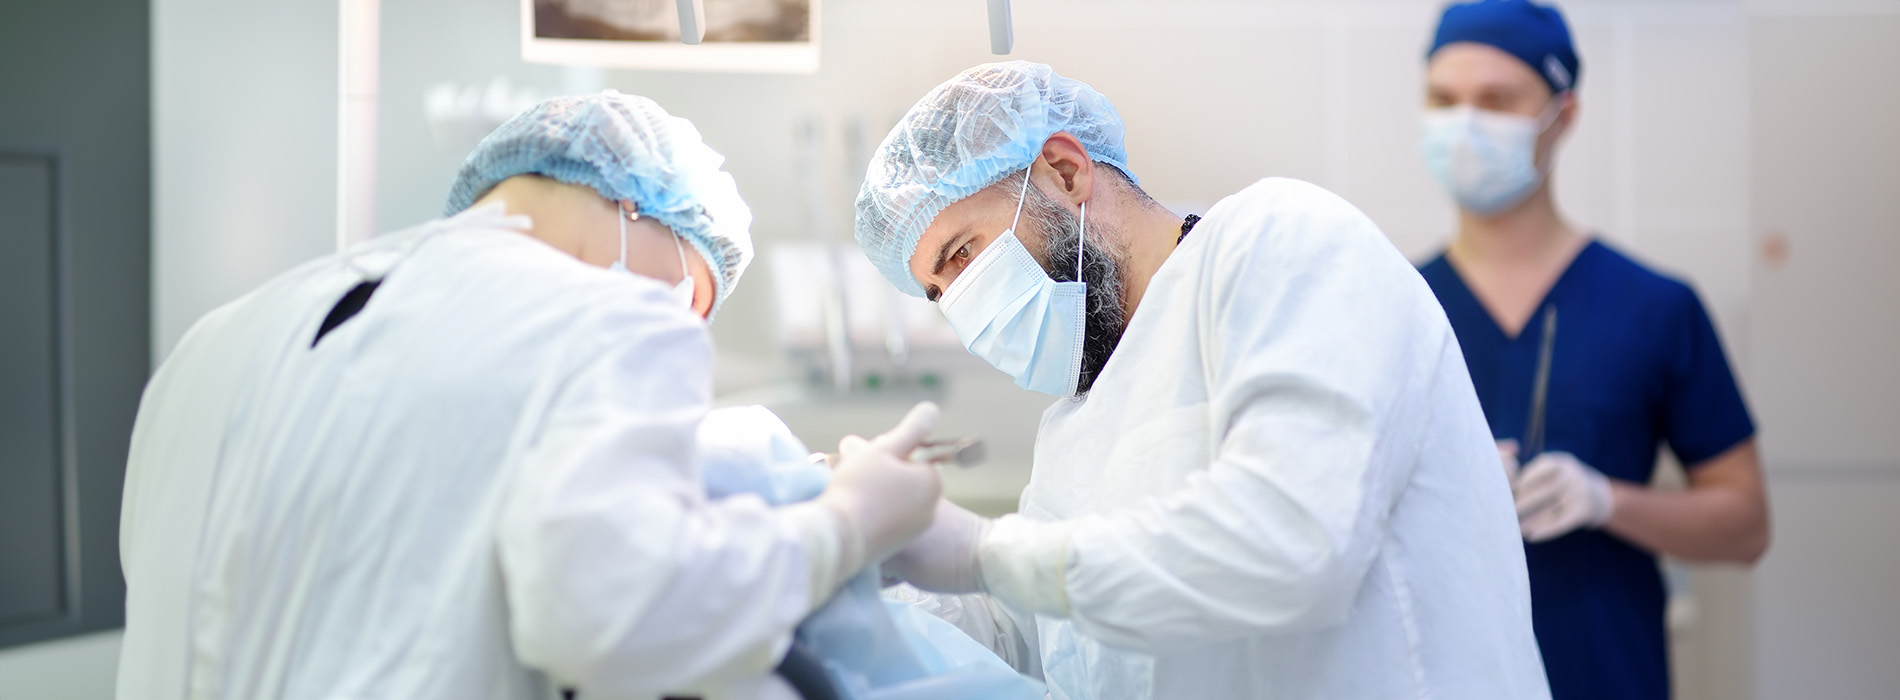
[
  {"x": 561, "y": 213},
  {"x": 1531, "y": 233},
  {"x": 1153, "y": 234}
]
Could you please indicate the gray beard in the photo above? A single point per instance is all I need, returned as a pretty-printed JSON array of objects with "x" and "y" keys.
[{"x": 1103, "y": 313}]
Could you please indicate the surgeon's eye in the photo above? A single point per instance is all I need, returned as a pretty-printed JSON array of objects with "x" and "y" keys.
[{"x": 962, "y": 255}]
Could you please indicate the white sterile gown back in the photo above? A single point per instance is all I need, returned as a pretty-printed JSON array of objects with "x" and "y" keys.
[{"x": 480, "y": 486}]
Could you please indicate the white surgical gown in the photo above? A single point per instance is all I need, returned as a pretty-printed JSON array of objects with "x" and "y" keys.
[
  {"x": 1281, "y": 486},
  {"x": 478, "y": 487}
]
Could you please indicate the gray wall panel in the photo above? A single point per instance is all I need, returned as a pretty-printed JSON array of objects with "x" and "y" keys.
[
  {"x": 75, "y": 76},
  {"x": 31, "y": 535}
]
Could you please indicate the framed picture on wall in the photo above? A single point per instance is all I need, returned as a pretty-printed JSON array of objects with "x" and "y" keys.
[{"x": 741, "y": 36}]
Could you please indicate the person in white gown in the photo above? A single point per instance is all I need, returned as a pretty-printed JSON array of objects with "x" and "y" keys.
[
  {"x": 457, "y": 462},
  {"x": 1266, "y": 475}
]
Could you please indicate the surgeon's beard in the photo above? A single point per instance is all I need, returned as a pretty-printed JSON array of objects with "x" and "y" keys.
[{"x": 1105, "y": 317}]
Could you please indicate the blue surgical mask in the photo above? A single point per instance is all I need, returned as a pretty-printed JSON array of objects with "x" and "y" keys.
[
  {"x": 1486, "y": 160},
  {"x": 683, "y": 292},
  {"x": 1008, "y": 311}
]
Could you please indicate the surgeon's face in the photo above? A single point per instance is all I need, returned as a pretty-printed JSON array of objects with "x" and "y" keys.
[
  {"x": 1049, "y": 229},
  {"x": 1485, "y": 77},
  {"x": 961, "y": 232}
]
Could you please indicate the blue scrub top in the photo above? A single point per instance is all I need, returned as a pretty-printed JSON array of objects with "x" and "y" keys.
[{"x": 1635, "y": 363}]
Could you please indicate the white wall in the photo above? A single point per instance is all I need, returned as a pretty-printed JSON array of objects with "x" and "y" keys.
[
  {"x": 76, "y": 668},
  {"x": 1825, "y": 339},
  {"x": 244, "y": 150}
]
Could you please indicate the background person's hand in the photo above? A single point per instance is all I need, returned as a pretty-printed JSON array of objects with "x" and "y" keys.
[{"x": 1557, "y": 494}]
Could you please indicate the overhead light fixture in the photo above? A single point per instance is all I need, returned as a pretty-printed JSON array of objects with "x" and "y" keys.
[
  {"x": 1002, "y": 36},
  {"x": 692, "y": 21}
]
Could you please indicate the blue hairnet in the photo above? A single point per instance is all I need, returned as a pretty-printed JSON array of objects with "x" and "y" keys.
[
  {"x": 625, "y": 147},
  {"x": 965, "y": 135},
  {"x": 1534, "y": 33}
]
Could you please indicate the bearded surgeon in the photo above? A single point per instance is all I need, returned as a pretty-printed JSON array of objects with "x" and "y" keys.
[{"x": 1264, "y": 474}]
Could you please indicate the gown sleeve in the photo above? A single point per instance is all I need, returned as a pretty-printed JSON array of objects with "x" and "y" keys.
[
  {"x": 1315, "y": 337},
  {"x": 622, "y": 578}
]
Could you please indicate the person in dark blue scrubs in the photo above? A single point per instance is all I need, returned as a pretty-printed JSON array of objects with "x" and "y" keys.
[{"x": 1586, "y": 363}]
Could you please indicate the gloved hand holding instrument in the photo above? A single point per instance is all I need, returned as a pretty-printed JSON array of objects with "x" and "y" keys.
[
  {"x": 943, "y": 558},
  {"x": 877, "y": 499},
  {"x": 1555, "y": 493}
]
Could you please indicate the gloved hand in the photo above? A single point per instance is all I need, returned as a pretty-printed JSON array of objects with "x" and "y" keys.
[
  {"x": 882, "y": 500},
  {"x": 1557, "y": 494},
  {"x": 943, "y": 560}
]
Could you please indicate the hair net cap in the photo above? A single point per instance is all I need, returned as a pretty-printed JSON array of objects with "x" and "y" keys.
[
  {"x": 625, "y": 147},
  {"x": 965, "y": 135}
]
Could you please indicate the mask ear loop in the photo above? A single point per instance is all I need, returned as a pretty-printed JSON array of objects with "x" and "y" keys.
[
  {"x": 686, "y": 275},
  {"x": 1081, "y": 235},
  {"x": 1549, "y": 116},
  {"x": 631, "y": 216},
  {"x": 1021, "y": 196}
]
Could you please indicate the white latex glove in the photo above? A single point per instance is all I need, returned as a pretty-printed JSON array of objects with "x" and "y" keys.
[
  {"x": 943, "y": 559},
  {"x": 882, "y": 500},
  {"x": 1557, "y": 494}
]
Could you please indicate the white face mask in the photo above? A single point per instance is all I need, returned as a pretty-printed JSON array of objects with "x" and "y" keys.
[
  {"x": 683, "y": 291},
  {"x": 1486, "y": 160},
  {"x": 1008, "y": 311}
]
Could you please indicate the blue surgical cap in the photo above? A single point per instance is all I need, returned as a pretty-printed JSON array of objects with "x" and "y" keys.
[
  {"x": 1534, "y": 33},
  {"x": 965, "y": 135},
  {"x": 624, "y": 147}
]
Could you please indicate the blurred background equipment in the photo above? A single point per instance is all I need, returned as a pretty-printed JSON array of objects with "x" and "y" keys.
[
  {"x": 751, "y": 36},
  {"x": 1002, "y": 34},
  {"x": 692, "y": 21}
]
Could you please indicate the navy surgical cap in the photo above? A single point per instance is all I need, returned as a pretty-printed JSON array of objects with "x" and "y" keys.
[{"x": 1534, "y": 33}]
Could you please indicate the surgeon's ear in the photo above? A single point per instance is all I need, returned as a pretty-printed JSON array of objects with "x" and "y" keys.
[
  {"x": 1566, "y": 116},
  {"x": 1074, "y": 171},
  {"x": 1558, "y": 131}
]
